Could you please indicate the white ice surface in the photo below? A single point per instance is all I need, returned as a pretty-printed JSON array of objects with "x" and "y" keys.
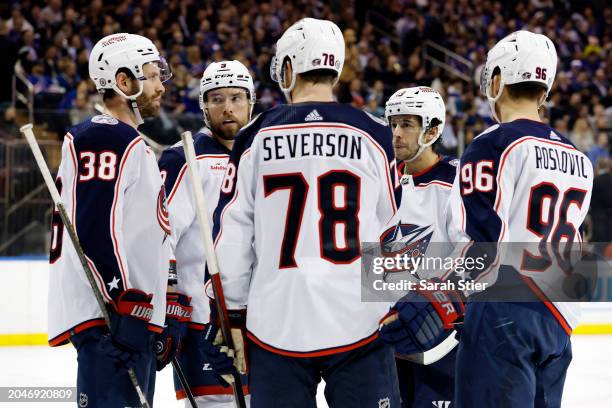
[{"x": 587, "y": 385}]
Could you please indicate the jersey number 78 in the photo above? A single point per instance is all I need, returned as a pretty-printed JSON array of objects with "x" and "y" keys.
[{"x": 332, "y": 214}]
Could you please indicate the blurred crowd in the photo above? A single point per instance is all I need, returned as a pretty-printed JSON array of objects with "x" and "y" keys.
[{"x": 385, "y": 50}]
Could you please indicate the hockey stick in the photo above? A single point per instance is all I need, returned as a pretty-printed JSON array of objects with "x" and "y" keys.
[
  {"x": 26, "y": 130},
  {"x": 183, "y": 380},
  {"x": 211, "y": 258}
]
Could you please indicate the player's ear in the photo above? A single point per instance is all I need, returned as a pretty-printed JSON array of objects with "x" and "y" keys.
[
  {"x": 431, "y": 133},
  {"x": 124, "y": 83},
  {"x": 495, "y": 83}
]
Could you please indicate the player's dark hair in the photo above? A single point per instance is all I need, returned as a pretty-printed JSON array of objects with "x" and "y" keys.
[
  {"x": 110, "y": 93},
  {"x": 523, "y": 90},
  {"x": 526, "y": 90},
  {"x": 433, "y": 123},
  {"x": 319, "y": 76}
]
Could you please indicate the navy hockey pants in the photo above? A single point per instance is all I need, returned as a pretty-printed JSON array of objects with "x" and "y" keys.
[
  {"x": 511, "y": 355},
  {"x": 200, "y": 376},
  {"x": 363, "y": 377},
  {"x": 422, "y": 385},
  {"x": 99, "y": 383}
]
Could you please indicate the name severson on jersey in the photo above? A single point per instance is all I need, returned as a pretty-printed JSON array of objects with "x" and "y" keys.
[{"x": 345, "y": 144}]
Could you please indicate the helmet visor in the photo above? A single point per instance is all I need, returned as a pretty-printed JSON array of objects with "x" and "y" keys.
[{"x": 156, "y": 70}]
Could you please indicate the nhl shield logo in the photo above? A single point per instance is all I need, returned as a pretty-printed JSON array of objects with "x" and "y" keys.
[
  {"x": 384, "y": 403},
  {"x": 83, "y": 400}
]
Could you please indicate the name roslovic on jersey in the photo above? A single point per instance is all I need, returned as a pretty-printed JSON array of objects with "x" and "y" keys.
[
  {"x": 523, "y": 182},
  {"x": 112, "y": 190}
]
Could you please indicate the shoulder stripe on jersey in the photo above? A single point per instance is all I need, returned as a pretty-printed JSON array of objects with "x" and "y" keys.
[
  {"x": 128, "y": 150},
  {"x": 344, "y": 126},
  {"x": 507, "y": 152},
  {"x": 184, "y": 169}
]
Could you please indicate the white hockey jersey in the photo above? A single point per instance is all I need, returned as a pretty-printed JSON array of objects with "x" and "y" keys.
[
  {"x": 522, "y": 182},
  {"x": 306, "y": 183},
  {"x": 420, "y": 225},
  {"x": 112, "y": 190},
  {"x": 186, "y": 243}
]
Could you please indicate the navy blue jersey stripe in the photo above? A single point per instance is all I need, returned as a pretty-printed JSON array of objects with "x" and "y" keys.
[{"x": 95, "y": 195}]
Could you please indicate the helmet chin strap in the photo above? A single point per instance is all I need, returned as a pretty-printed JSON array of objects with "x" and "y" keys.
[
  {"x": 493, "y": 100},
  {"x": 422, "y": 144},
  {"x": 287, "y": 91},
  {"x": 132, "y": 101},
  {"x": 136, "y": 111}
]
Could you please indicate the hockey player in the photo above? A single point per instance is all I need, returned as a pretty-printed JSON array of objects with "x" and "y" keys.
[
  {"x": 113, "y": 192},
  {"x": 520, "y": 181},
  {"x": 416, "y": 117},
  {"x": 510, "y": 195},
  {"x": 306, "y": 182},
  {"x": 227, "y": 97}
]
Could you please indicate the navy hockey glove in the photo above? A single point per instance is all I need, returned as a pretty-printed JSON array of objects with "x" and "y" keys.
[
  {"x": 129, "y": 333},
  {"x": 420, "y": 320},
  {"x": 224, "y": 362},
  {"x": 178, "y": 315}
]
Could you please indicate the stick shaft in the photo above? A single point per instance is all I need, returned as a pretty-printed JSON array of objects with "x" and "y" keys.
[
  {"x": 183, "y": 380},
  {"x": 27, "y": 131},
  {"x": 211, "y": 258}
]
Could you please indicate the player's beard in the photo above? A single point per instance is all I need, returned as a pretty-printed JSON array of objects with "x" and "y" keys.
[
  {"x": 406, "y": 152},
  {"x": 149, "y": 106},
  {"x": 226, "y": 132}
]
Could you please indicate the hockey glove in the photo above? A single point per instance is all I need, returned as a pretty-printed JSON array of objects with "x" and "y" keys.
[
  {"x": 224, "y": 361},
  {"x": 178, "y": 315},
  {"x": 129, "y": 333},
  {"x": 421, "y": 320}
]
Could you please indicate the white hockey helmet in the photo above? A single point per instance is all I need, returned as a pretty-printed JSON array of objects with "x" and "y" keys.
[
  {"x": 522, "y": 56},
  {"x": 421, "y": 101},
  {"x": 129, "y": 51},
  {"x": 309, "y": 44},
  {"x": 226, "y": 74}
]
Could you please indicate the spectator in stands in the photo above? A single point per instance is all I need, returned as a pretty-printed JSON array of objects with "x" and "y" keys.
[
  {"x": 600, "y": 150},
  {"x": 601, "y": 205},
  {"x": 384, "y": 45},
  {"x": 582, "y": 135}
]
